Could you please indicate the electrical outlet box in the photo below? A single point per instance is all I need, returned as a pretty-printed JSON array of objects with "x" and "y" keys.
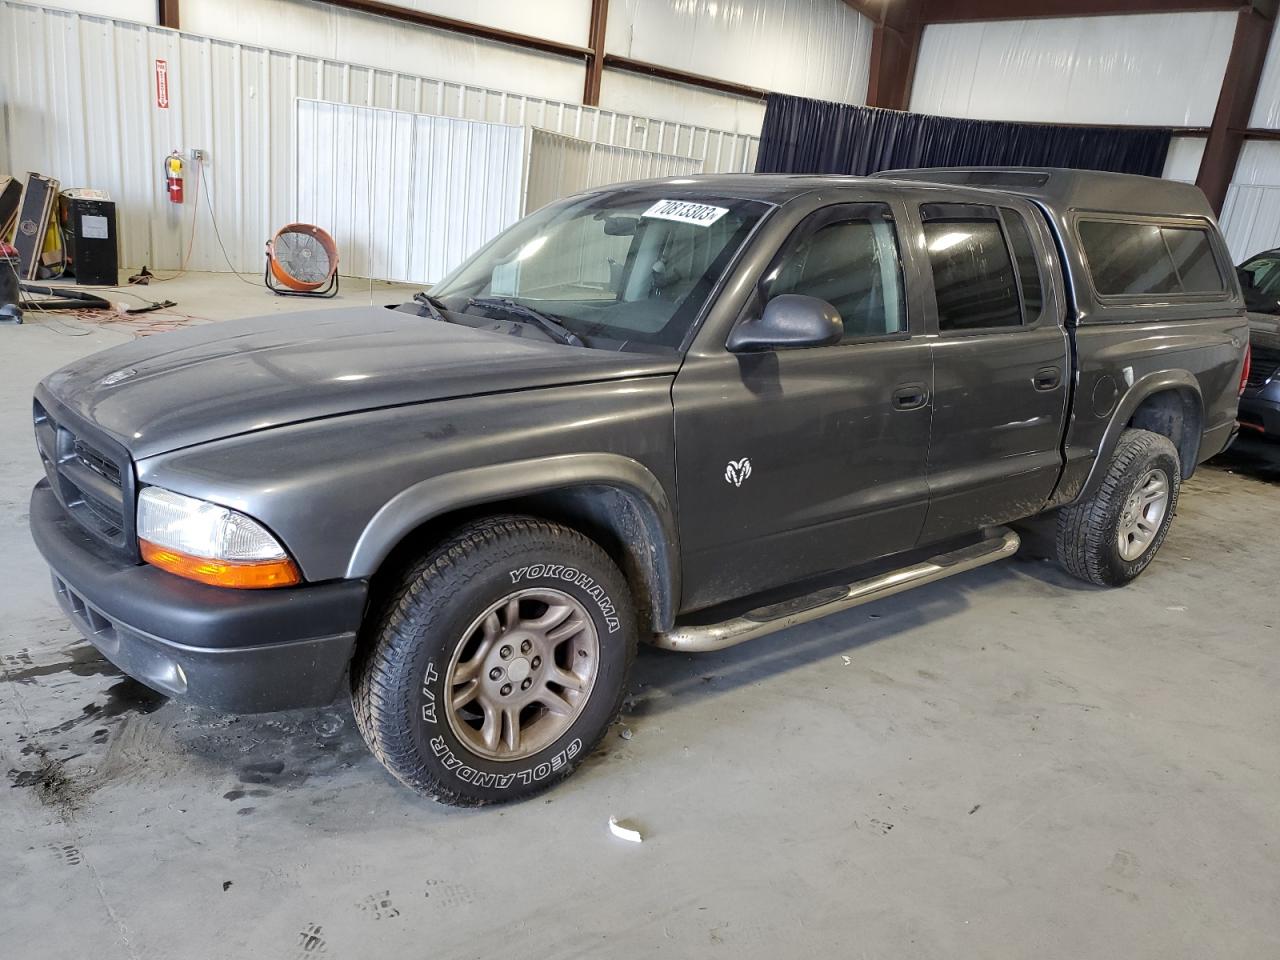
[{"x": 199, "y": 155}]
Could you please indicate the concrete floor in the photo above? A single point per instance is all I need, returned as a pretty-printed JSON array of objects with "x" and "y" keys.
[{"x": 1007, "y": 764}]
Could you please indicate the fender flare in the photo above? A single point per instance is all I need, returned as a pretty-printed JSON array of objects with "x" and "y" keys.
[
  {"x": 1141, "y": 389},
  {"x": 445, "y": 493}
]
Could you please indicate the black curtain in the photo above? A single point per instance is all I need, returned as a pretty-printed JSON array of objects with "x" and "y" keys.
[{"x": 814, "y": 136}]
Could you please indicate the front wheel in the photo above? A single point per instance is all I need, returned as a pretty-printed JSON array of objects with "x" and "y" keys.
[
  {"x": 499, "y": 663},
  {"x": 1111, "y": 538}
]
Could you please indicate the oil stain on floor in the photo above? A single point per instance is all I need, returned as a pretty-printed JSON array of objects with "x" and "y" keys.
[{"x": 47, "y": 754}]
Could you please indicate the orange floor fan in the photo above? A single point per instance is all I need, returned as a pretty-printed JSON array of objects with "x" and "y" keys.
[{"x": 302, "y": 261}]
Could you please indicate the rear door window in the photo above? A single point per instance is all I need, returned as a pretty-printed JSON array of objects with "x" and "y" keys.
[
  {"x": 974, "y": 281},
  {"x": 1143, "y": 259},
  {"x": 1024, "y": 257}
]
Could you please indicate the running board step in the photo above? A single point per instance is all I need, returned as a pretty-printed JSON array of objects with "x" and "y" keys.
[{"x": 779, "y": 616}]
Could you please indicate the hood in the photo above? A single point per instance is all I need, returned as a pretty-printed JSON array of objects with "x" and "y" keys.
[{"x": 221, "y": 379}]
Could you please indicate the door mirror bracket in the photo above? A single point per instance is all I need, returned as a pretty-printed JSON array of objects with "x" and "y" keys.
[{"x": 789, "y": 321}]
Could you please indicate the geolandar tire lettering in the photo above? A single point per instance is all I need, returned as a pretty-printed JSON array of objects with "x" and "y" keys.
[
  {"x": 498, "y": 662},
  {"x": 476, "y": 778}
]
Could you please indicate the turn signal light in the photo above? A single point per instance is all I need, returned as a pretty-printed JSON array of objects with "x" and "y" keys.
[
  {"x": 1244, "y": 371},
  {"x": 253, "y": 575}
]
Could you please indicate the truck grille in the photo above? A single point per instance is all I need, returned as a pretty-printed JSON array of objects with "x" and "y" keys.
[
  {"x": 1262, "y": 366},
  {"x": 90, "y": 476}
]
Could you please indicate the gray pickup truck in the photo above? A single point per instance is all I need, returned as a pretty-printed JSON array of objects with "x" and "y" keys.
[{"x": 693, "y": 411}]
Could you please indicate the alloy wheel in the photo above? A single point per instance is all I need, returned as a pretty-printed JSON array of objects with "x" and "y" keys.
[
  {"x": 1143, "y": 513},
  {"x": 522, "y": 673}
]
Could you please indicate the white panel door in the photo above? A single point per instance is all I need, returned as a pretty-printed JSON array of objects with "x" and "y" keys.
[{"x": 406, "y": 196}]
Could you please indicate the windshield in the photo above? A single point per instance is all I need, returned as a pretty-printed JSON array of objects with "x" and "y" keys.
[{"x": 621, "y": 268}]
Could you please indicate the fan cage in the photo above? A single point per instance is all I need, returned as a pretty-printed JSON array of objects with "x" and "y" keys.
[{"x": 302, "y": 257}]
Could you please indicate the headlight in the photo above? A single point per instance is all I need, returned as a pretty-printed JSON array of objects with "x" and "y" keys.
[{"x": 209, "y": 543}]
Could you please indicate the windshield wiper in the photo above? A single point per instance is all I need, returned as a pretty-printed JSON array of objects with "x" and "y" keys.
[
  {"x": 435, "y": 308},
  {"x": 518, "y": 311}
]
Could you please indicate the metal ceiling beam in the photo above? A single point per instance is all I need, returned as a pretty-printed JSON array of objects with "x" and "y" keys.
[
  {"x": 961, "y": 11},
  {"x": 464, "y": 27},
  {"x": 612, "y": 60},
  {"x": 594, "y": 56},
  {"x": 595, "y": 60},
  {"x": 1235, "y": 105},
  {"x": 898, "y": 25}
]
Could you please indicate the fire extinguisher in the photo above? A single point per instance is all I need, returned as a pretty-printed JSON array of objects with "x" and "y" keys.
[{"x": 173, "y": 176}]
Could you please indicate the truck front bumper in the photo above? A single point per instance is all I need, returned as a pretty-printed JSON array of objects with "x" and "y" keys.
[{"x": 243, "y": 651}]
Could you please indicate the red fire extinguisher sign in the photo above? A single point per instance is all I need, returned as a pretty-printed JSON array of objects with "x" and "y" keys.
[{"x": 162, "y": 84}]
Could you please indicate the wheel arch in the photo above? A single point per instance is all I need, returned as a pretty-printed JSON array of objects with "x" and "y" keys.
[
  {"x": 615, "y": 500},
  {"x": 1168, "y": 402}
]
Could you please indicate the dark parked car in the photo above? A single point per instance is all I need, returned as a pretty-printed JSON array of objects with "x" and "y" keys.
[
  {"x": 1260, "y": 402},
  {"x": 694, "y": 411}
]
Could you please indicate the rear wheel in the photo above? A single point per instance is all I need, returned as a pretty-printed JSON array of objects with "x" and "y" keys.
[
  {"x": 499, "y": 663},
  {"x": 1111, "y": 538}
]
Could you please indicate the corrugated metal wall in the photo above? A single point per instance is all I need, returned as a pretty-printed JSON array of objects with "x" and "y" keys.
[
  {"x": 1251, "y": 216},
  {"x": 560, "y": 165},
  {"x": 1160, "y": 69},
  {"x": 79, "y": 96},
  {"x": 637, "y": 93},
  {"x": 1183, "y": 161},
  {"x": 328, "y": 32},
  {"x": 406, "y": 196},
  {"x": 816, "y": 48},
  {"x": 144, "y": 11},
  {"x": 811, "y": 48},
  {"x": 1266, "y": 104}
]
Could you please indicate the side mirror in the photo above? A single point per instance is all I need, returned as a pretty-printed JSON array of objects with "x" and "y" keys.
[
  {"x": 789, "y": 322},
  {"x": 1246, "y": 278}
]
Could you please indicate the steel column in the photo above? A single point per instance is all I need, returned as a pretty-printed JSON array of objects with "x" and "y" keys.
[
  {"x": 595, "y": 59},
  {"x": 1235, "y": 104},
  {"x": 167, "y": 14}
]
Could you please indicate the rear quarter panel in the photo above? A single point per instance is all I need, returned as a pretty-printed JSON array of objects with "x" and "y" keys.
[
  {"x": 1126, "y": 349},
  {"x": 1120, "y": 362}
]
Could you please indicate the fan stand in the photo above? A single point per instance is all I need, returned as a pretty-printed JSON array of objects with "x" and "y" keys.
[
  {"x": 291, "y": 270},
  {"x": 330, "y": 289}
]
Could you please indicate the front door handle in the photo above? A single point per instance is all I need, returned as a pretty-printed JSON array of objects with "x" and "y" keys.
[
  {"x": 910, "y": 396},
  {"x": 1047, "y": 378}
]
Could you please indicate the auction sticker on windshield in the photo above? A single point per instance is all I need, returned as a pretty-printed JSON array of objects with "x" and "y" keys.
[{"x": 682, "y": 211}]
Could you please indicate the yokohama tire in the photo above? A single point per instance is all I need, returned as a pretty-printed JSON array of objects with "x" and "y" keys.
[
  {"x": 1090, "y": 533},
  {"x": 467, "y": 609}
]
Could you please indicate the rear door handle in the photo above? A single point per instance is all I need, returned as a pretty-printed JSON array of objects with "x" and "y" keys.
[
  {"x": 910, "y": 396},
  {"x": 1047, "y": 378}
]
